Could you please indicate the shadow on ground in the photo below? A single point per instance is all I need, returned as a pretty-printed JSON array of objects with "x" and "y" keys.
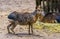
[{"x": 23, "y": 35}]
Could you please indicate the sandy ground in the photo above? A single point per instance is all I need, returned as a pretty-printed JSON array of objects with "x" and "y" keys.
[{"x": 22, "y": 32}]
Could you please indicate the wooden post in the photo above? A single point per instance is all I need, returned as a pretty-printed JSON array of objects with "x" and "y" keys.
[
  {"x": 59, "y": 5},
  {"x": 43, "y": 6},
  {"x": 56, "y": 4},
  {"x": 48, "y": 6}
]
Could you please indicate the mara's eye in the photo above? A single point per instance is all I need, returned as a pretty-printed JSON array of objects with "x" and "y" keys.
[{"x": 38, "y": 10}]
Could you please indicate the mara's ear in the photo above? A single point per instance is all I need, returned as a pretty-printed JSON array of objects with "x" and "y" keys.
[{"x": 38, "y": 8}]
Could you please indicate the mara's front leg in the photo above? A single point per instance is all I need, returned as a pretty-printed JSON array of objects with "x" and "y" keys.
[
  {"x": 29, "y": 29},
  {"x": 32, "y": 28}
]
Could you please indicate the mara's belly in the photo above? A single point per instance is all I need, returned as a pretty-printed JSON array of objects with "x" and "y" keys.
[
  {"x": 25, "y": 23},
  {"x": 22, "y": 23}
]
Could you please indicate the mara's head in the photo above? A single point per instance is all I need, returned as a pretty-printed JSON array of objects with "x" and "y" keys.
[{"x": 40, "y": 11}]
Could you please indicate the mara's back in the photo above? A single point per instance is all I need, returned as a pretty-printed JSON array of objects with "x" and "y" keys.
[{"x": 26, "y": 18}]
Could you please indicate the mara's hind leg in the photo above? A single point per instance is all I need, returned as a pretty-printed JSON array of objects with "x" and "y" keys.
[
  {"x": 12, "y": 28},
  {"x": 9, "y": 27}
]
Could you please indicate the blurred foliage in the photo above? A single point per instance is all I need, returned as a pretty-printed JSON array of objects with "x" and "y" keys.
[{"x": 47, "y": 27}]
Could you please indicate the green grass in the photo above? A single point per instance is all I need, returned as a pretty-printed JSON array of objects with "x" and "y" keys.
[{"x": 50, "y": 27}]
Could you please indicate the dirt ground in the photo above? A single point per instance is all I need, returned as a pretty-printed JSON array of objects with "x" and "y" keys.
[{"x": 22, "y": 32}]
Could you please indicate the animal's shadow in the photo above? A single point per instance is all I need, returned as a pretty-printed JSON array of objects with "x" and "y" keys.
[{"x": 24, "y": 35}]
